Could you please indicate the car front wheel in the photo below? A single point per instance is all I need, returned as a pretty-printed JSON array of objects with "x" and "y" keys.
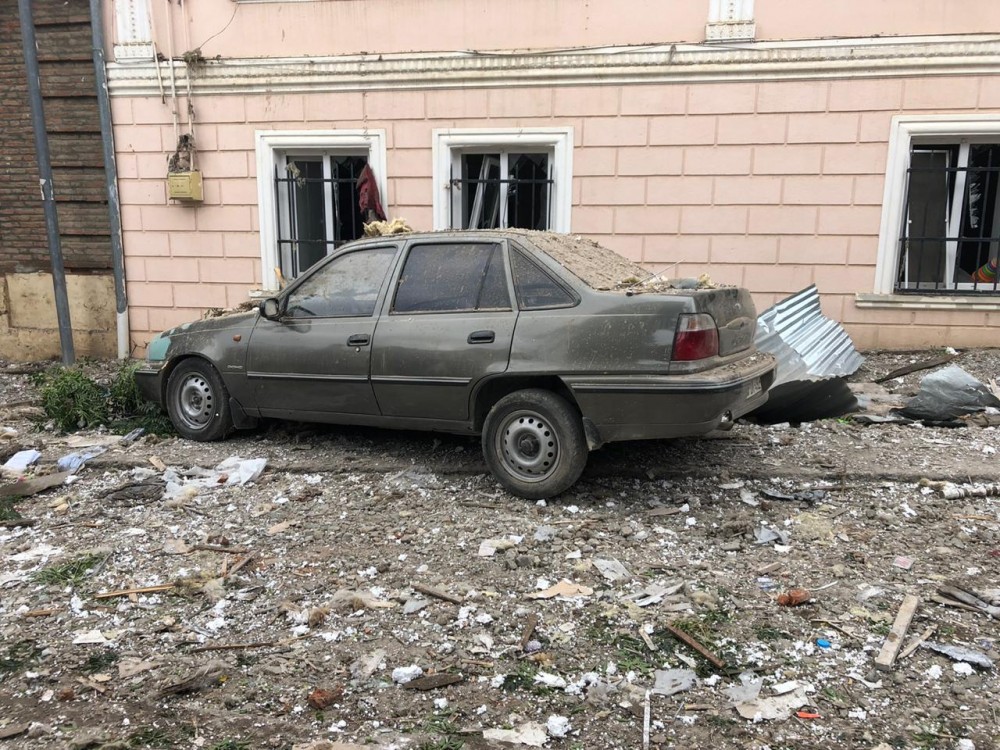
[
  {"x": 197, "y": 401},
  {"x": 534, "y": 444}
]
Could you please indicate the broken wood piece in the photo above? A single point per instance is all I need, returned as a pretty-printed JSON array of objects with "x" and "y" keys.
[
  {"x": 948, "y": 602},
  {"x": 240, "y": 564},
  {"x": 690, "y": 641},
  {"x": 657, "y": 512},
  {"x": 130, "y": 592},
  {"x": 894, "y": 641},
  {"x": 40, "y": 613},
  {"x": 915, "y": 643},
  {"x": 14, "y": 523},
  {"x": 529, "y": 629},
  {"x": 916, "y": 367},
  {"x": 970, "y": 598},
  {"x": 436, "y": 593},
  {"x": 33, "y": 486},
  {"x": 645, "y": 722},
  {"x": 647, "y": 640},
  {"x": 233, "y": 646},
  {"x": 432, "y": 681},
  {"x": 219, "y": 548},
  {"x": 157, "y": 463}
]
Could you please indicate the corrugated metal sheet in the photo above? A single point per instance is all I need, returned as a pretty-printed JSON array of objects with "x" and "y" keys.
[
  {"x": 814, "y": 355},
  {"x": 807, "y": 344}
]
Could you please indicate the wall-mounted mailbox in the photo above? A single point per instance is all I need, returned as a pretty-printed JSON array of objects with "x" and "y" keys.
[{"x": 184, "y": 186}]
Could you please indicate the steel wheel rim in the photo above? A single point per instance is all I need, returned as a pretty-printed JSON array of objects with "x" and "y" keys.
[
  {"x": 195, "y": 401},
  {"x": 528, "y": 446}
]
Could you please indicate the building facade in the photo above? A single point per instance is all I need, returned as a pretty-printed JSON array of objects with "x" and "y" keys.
[{"x": 854, "y": 145}]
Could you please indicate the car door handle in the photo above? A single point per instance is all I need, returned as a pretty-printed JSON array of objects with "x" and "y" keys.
[
  {"x": 359, "y": 339},
  {"x": 482, "y": 337}
]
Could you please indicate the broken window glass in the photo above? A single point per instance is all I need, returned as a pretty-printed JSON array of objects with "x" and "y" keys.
[
  {"x": 503, "y": 189},
  {"x": 951, "y": 234},
  {"x": 317, "y": 199}
]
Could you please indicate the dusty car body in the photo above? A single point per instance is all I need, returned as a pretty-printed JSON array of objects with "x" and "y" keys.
[{"x": 547, "y": 345}]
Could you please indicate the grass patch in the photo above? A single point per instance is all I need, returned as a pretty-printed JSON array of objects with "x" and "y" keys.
[
  {"x": 70, "y": 573},
  {"x": 150, "y": 737},
  {"x": 7, "y": 510},
  {"x": 18, "y": 656},
  {"x": 75, "y": 401},
  {"x": 72, "y": 399},
  {"x": 442, "y": 743},
  {"x": 100, "y": 661},
  {"x": 523, "y": 678},
  {"x": 767, "y": 633},
  {"x": 231, "y": 745}
]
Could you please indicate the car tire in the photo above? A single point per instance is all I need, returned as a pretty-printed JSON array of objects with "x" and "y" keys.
[
  {"x": 534, "y": 444},
  {"x": 198, "y": 402}
]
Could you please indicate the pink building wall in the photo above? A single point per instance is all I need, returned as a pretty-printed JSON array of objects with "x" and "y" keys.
[
  {"x": 768, "y": 182},
  {"x": 309, "y": 29}
]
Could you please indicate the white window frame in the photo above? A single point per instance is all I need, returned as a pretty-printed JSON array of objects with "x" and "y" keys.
[
  {"x": 960, "y": 129},
  {"x": 448, "y": 146},
  {"x": 271, "y": 148}
]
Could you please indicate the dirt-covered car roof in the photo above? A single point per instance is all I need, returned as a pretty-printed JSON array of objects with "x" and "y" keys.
[{"x": 595, "y": 265}]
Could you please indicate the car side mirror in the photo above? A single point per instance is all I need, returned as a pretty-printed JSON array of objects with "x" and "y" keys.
[{"x": 270, "y": 308}]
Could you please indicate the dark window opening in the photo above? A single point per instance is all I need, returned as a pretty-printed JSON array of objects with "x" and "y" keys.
[
  {"x": 951, "y": 233},
  {"x": 317, "y": 200},
  {"x": 452, "y": 278},
  {"x": 502, "y": 190}
]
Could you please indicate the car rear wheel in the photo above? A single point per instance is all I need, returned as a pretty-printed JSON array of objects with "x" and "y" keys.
[
  {"x": 534, "y": 444},
  {"x": 198, "y": 402}
]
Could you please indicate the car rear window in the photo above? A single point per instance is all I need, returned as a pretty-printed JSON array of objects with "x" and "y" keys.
[
  {"x": 452, "y": 278},
  {"x": 535, "y": 289}
]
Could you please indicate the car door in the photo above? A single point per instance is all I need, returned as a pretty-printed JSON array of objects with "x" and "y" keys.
[
  {"x": 315, "y": 357},
  {"x": 449, "y": 324}
]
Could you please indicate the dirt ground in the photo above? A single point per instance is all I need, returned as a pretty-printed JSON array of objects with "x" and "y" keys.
[{"x": 290, "y": 609}]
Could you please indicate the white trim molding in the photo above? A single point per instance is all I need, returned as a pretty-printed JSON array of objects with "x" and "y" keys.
[
  {"x": 730, "y": 20},
  {"x": 667, "y": 63},
  {"x": 558, "y": 142},
  {"x": 272, "y": 144},
  {"x": 903, "y": 131},
  {"x": 917, "y": 302},
  {"x": 134, "y": 37}
]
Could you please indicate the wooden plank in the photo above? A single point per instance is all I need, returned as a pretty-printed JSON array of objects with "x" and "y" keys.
[
  {"x": 894, "y": 641},
  {"x": 917, "y": 367},
  {"x": 690, "y": 641}
]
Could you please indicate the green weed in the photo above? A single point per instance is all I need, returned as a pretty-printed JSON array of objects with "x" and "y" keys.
[
  {"x": 7, "y": 511},
  {"x": 150, "y": 737},
  {"x": 231, "y": 745},
  {"x": 100, "y": 661},
  {"x": 521, "y": 679},
  {"x": 70, "y": 573},
  {"x": 18, "y": 656},
  {"x": 72, "y": 399}
]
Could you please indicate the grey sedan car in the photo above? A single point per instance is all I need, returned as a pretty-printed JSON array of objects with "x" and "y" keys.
[{"x": 547, "y": 345}]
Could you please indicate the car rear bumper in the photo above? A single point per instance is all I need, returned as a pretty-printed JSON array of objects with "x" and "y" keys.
[
  {"x": 645, "y": 407},
  {"x": 149, "y": 381}
]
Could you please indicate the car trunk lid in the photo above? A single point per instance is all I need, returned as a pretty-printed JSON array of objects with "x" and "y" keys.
[{"x": 734, "y": 314}]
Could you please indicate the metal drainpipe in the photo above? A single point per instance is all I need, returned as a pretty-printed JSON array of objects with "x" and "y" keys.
[
  {"x": 111, "y": 180},
  {"x": 30, "y": 49}
]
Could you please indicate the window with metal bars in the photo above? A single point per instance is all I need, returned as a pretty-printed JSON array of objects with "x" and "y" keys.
[
  {"x": 950, "y": 239},
  {"x": 501, "y": 189},
  {"x": 317, "y": 201}
]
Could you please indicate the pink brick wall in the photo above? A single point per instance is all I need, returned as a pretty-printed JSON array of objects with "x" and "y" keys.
[{"x": 773, "y": 185}]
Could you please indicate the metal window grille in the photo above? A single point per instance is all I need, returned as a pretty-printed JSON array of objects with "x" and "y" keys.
[
  {"x": 502, "y": 190},
  {"x": 951, "y": 233},
  {"x": 317, "y": 199}
]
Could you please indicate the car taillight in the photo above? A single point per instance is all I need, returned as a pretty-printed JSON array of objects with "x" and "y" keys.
[{"x": 697, "y": 337}]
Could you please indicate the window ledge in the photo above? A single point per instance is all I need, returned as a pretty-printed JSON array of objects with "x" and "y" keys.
[{"x": 917, "y": 302}]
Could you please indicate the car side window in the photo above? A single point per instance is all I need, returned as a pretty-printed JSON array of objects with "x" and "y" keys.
[
  {"x": 535, "y": 289},
  {"x": 347, "y": 286},
  {"x": 452, "y": 278}
]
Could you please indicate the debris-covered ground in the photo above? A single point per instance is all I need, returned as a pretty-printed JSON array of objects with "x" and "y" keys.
[{"x": 378, "y": 589}]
